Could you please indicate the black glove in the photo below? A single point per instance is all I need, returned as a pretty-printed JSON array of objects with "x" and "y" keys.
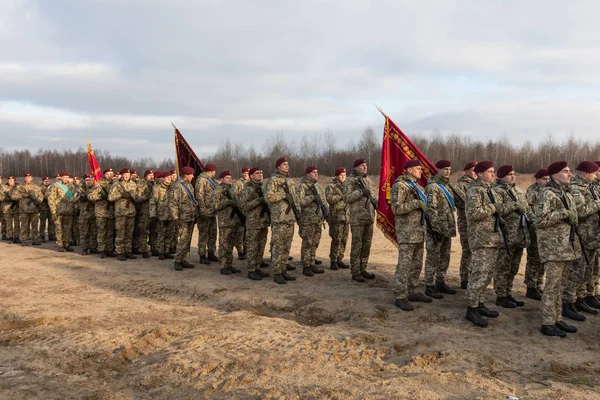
[
  {"x": 32, "y": 197},
  {"x": 126, "y": 195},
  {"x": 366, "y": 192},
  {"x": 289, "y": 198},
  {"x": 103, "y": 195},
  {"x": 83, "y": 198}
]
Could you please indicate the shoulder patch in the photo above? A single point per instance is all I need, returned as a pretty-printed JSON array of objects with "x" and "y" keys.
[{"x": 473, "y": 197}]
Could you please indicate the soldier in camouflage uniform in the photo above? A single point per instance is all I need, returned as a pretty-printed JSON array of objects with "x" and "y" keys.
[
  {"x": 173, "y": 231},
  {"x": 74, "y": 180},
  {"x": 227, "y": 206},
  {"x": 143, "y": 194},
  {"x": 10, "y": 208},
  {"x": 555, "y": 215},
  {"x": 482, "y": 209},
  {"x": 184, "y": 208},
  {"x": 207, "y": 222},
  {"x": 534, "y": 272},
  {"x": 338, "y": 219},
  {"x": 88, "y": 234},
  {"x": 254, "y": 206},
  {"x": 280, "y": 196},
  {"x": 459, "y": 191},
  {"x": 358, "y": 193},
  {"x": 241, "y": 242},
  {"x": 2, "y": 223},
  {"x": 591, "y": 297},
  {"x": 61, "y": 200},
  {"x": 160, "y": 211},
  {"x": 311, "y": 199},
  {"x": 587, "y": 200},
  {"x": 517, "y": 229},
  {"x": 440, "y": 212},
  {"x": 105, "y": 214},
  {"x": 29, "y": 197},
  {"x": 123, "y": 194},
  {"x": 409, "y": 206},
  {"x": 46, "y": 222}
]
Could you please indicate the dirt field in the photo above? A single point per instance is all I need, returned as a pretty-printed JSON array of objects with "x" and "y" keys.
[{"x": 75, "y": 327}]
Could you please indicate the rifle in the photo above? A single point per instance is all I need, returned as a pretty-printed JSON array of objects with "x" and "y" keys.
[
  {"x": 292, "y": 205},
  {"x": 574, "y": 228},
  {"x": 525, "y": 221},
  {"x": 363, "y": 187},
  {"x": 265, "y": 207},
  {"x": 235, "y": 210},
  {"x": 425, "y": 220},
  {"x": 499, "y": 223},
  {"x": 319, "y": 202}
]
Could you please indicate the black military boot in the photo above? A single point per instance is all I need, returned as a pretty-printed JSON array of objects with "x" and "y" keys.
[
  {"x": 136, "y": 251},
  {"x": 130, "y": 256},
  {"x": 226, "y": 271},
  {"x": 592, "y": 301},
  {"x": 518, "y": 303},
  {"x": 307, "y": 271},
  {"x": 342, "y": 265},
  {"x": 533, "y": 293},
  {"x": 333, "y": 266},
  {"x": 262, "y": 273},
  {"x": 186, "y": 264},
  {"x": 103, "y": 254},
  {"x": 505, "y": 302},
  {"x": 69, "y": 248},
  {"x": 94, "y": 251},
  {"x": 161, "y": 256},
  {"x": 569, "y": 311},
  {"x": 563, "y": 326},
  {"x": 582, "y": 306},
  {"x": 443, "y": 288},
  {"x": 264, "y": 264},
  {"x": 17, "y": 240},
  {"x": 318, "y": 262},
  {"x": 288, "y": 277},
  {"x": 235, "y": 270},
  {"x": 122, "y": 257},
  {"x": 432, "y": 292},
  {"x": 366, "y": 274},
  {"x": 255, "y": 276},
  {"x": 61, "y": 249},
  {"x": 317, "y": 270},
  {"x": 551, "y": 330},
  {"x": 212, "y": 257},
  {"x": 358, "y": 278},
  {"x": 111, "y": 253},
  {"x": 145, "y": 254},
  {"x": 84, "y": 252},
  {"x": 290, "y": 267},
  {"x": 204, "y": 260},
  {"x": 241, "y": 256},
  {"x": 37, "y": 242},
  {"x": 486, "y": 312},
  {"x": 404, "y": 305},
  {"x": 169, "y": 256},
  {"x": 278, "y": 278},
  {"x": 464, "y": 284},
  {"x": 419, "y": 297},
  {"x": 155, "y": 253},
  {"x": 177, "y": 266},
  {"x": 476, "y": 318}
]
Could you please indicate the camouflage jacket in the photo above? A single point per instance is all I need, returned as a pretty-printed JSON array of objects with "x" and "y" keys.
[
  {"x": 256, "y": 216},
  {"x": 224, "y": 206},
  {"x": 281, "y": 212},
  {"x": 338, "y": 211},
  {"x": 460, "y": 193},
  {"x": 532, "y": 194},
  {"x": 99, "y": 195},
  {"x": 407, "y": 213},
  {"x": 552, "y": 226},
  {"x": 87, "y": 209},
  {"x": 45, "y": 192},
  {"x": 181, "y": 205},
  {"x": 361, "y": 210},
  {"x": 159, "y": 203},
  {"x": 240, "y": 184},
  {"x": 9, "y": 206},
  {"x": 310, "y": 212},
  {"x": 517, "y": 228},
  {"x": 124, "y": 207},
  {"x": 60, "y": 202},
  {"x": 439, "y": 210},
  {"x": 588, "y": 211},
  {"x": 205, "y": 186},
  {"x": 29, "y": 196},
  {"x": 143, "y": 193},
  {"x": 481, "y": 215}
]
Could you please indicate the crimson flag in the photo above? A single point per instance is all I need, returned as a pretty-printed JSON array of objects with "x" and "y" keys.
[
  {"x": 93, "y": 163},
  {"x": 185, "y": 155},
  {"x": 396, "y": 150}
]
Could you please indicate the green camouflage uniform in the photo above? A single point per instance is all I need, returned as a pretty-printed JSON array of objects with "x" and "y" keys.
[
  {"x": 29, "y": 197},
  {"x": 410, "y": 235},
  {"x": 88, "y": 234},
  {"x": 254, "y": 206},
  {"x": 310, "y": 225},
  {"x": 229, "y": 222},
  {"x": 62, "y": 209},
  {"x": 143, "y": 194},
  {"x": 160, "y": 211},
  {"x": 338, "y": 220},
  {"x": 534, "y": 270},
  {"x": 46, "y": 221},
  {"x": 207, "y": 222},
  {"x": 124, "y": 214},
  {"x": 105, "y": 215},
  {"x": 460, "y": 191},
  {"x": 241, "y": 243},
  {"x": 183, "y": 209},
  {"x": 10, "y": 209},
  {"x": 75, "y": 222}
]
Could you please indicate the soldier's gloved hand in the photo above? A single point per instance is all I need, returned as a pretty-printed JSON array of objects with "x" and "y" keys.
[
  {"x": 521, "y": 207},
  {"x": 231, "y": 203},
  {"x": 32, "y": 196},
  {"x": 366, "y": 191},
  {"x": 571, "y": 216},
  {"x": 126, "y": 195},
  {"x": 422, "y": 205},
  {"x": 83, "y": 198},
  {"x": 103, "y": 195},
  {"x": 289, "y": 198}
]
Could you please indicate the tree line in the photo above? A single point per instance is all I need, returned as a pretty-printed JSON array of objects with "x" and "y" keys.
[{"x": 322, "y": 150}]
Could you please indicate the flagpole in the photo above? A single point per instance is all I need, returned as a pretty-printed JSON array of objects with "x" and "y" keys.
[{"x": 176, "y": 155}]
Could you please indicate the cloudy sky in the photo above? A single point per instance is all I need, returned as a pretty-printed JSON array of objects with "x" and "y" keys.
[{"x": 118, "y": 71}]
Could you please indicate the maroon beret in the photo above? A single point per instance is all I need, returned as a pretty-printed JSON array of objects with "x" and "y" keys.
[
  {"x": 134, "y": 172},
  {"x": 359, "y": 161},
  {"x": 57, "y": 175},
  {"x": 253, "y": 170},
  {"x": 64, "y": 173},
  {"x": 85, "y": 176},
  {"x": 470, "y": 165},
  {"x": 187, "y": 170},
  {"x": 310, "y": 169},
  {"x": 556, "y": 167},
  {"x": 483, "y": 166},
  {"x": 27, "y": 174},
  {"x": 245, "y": 169},
  {"x": 124, "y": 171},
  {"x": 71, "y": 176},
  {"x": 280, "y": 161},
  {"x": 224, "y": 174},
  {"x": 107, "y": 170},
  {"x": 11, "y": 177},
  {"x": 412, "y": 163},
  {"x": 442, "y": 164},
  {"x": 158, "y": 174},
  {"x": 504, "y": 170},
  {"x": 171, "y": 172},
  {"x": 587, "y": 166},
  {"x": 541, "y": 173},
  {"x": 44, "y": 178},
  {"x": 210, "y": 167},
  {"x": 339, "y": 171},
  {"x": 148, "y": 172}
]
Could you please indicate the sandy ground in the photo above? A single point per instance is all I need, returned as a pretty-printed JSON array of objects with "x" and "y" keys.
[{"x": 75, "y": 327}]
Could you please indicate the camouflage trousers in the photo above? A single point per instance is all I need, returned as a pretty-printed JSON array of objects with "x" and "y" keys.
[
  {"x": 338, "y": 231},
  {"x": 153, "y": 232},
  {"x": 282, "y": 236},
  {"x": 13, "y": 227},
  {"x": 143, "y": 233},
  {"x": 29, "y": 226},
  {"x": 124, "y": 234},
  {"x": 186, "y": 230},
  {"x": 465, "y": 258},
  {"x": 227, "y": 237},
  {"x": 257, "y": 240},
  {"x": 580, "y": 273},
  {"x": 162, "y": 239},
  {"x": 311, "y": 237},
  {"x": 106, "y": 234},
  {"x": 534, "y": 270},
  {"x": 507, "y": 267},
  {"x": 240, "y": 240},
  {"x": 173, "y": 235},
  {"x": 362, "y": 236},
  {"x": 63, "y": 230},
  {"x": 408, "y": 269},
  {"x": 75, "y": 229},
  {"x": 483, "y": 262},
  {"x": 2, "y": 224},
  {"x": 437, "y": 259},
  {"x": 46, "y": 222},
  {"x": 557, "y": 273},
  {"x": 207, "y": 235},
  {"x": 88, "y": 234}
]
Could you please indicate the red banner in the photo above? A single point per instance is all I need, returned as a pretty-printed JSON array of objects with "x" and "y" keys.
[
  {"x": 396, "y": 150},
  {"x": 93, "y": 163},
  {"x": 185, "y": 155}
]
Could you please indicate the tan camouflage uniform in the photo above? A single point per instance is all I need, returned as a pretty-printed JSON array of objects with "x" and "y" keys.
[
  {"x": 338, "y": 220},
  {"x": 241, "y": 242},
  {"x": 184, "y": 210},
  {"x": 310, "y": 225},
  {"x": 534, "y": 270},
  {"x": 105, "y": 215},
  {"x": 229, "y": 222},
  {"x": 62, "y": 209},
  {"x": 29, "y": 197},
  {"x": 88, "y": 234},
  {"x": 10, "y": 209},
  {"x": 161, "y": 212},
  {"x": 460, "y": 191},
  {"x": 255, "y": 208},
  {"x": 207, "y": 222},
  {"x": 46, "y": 222},
  {"x": 123, "y": 195},
  {"x": 143, "y": 194}
]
